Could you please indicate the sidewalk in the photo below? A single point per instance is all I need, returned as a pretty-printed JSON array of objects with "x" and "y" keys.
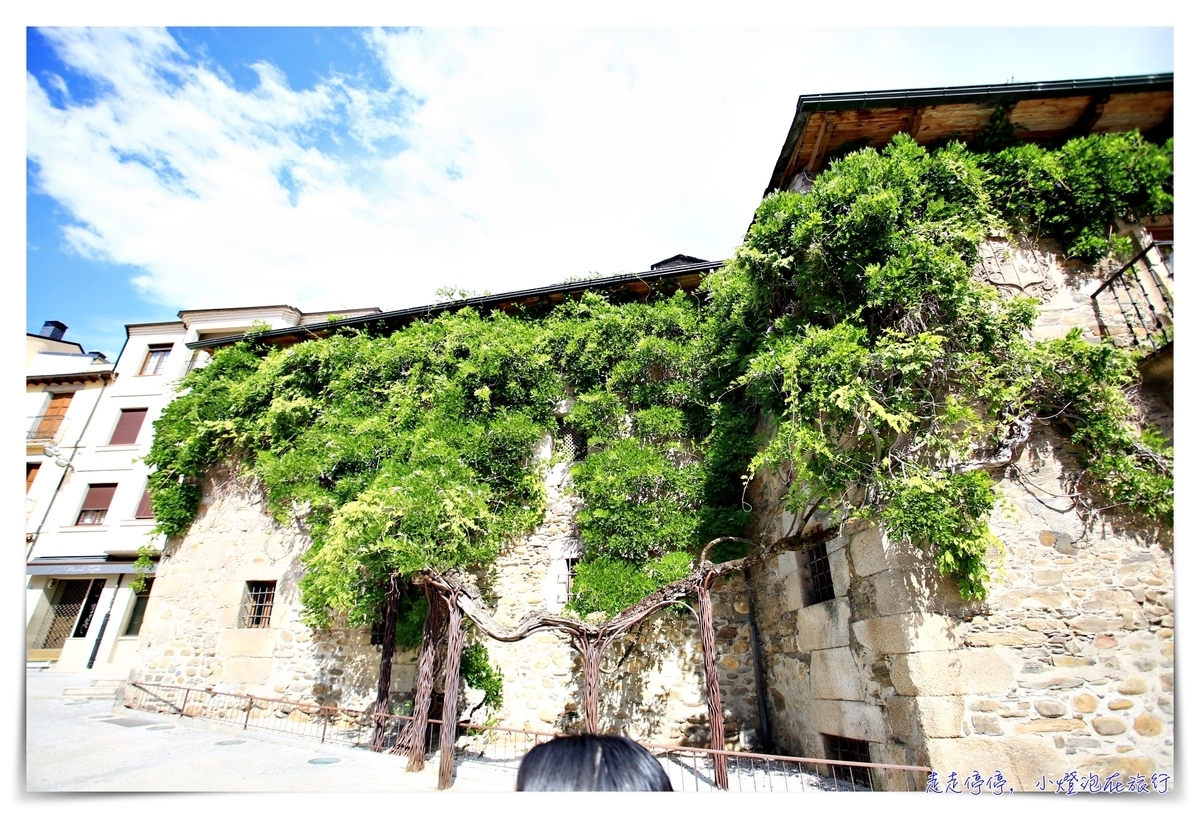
[{"x": 87, "y": 746}]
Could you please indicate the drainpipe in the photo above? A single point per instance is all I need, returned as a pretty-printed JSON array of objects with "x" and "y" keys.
[
  {"x": 104, "y": 623},
  {"x": 760, "y": 689}
]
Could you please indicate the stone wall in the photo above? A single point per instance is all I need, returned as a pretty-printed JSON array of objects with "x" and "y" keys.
[
  {"x": 1067, "y": 666},
  {"x": 652, "y": 682},
  {"x": 191, "y": 637}
]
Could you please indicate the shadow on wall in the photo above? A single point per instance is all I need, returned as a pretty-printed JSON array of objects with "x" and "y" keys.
[{"x": 1047, "y": 449}]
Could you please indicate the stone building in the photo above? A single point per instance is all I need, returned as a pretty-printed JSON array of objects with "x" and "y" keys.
[
  {"x": 866, "y": 653},
  {"x": 1068, "y": 664}
]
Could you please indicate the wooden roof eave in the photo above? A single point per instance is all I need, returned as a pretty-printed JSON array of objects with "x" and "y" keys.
[{"x": 70, "y": 378}]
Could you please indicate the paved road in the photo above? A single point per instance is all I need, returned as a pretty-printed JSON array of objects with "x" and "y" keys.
[{"x": 88, "y": 746}]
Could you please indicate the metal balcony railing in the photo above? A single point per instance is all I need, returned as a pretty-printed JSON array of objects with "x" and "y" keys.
[
  {"x": 44, "y": 427},
  {"x": 1135, "y": 306}
]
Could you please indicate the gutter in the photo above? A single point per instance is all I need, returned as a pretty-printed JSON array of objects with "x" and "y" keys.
[{"x": 983, "y": 93}]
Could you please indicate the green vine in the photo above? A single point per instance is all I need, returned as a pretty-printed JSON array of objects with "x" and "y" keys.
[{"x": 890, "y": 383}]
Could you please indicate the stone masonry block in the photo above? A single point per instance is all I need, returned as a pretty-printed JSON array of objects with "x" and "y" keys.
[
  {"x": 247, "y": 642},
  {"x": 793, "y": 592},
  {"x": 906, "y": 633},
  {"x": 244, "y": 670},
  {"x": 896, "y": 591},
  {"x": 866, "y": 552},
  {"x": 925, "y": 716},
  {"x": 787, "y": 562},
  {"x": 824, "y": 625},
  {"x": 858, "y": 720},
  {"x": 1022, "y": 760},
  {"x": 839, "y": 571},
  {"x": 871, "y": 551},
  {"x": 953, "y": 672},
  {"x": 835, "y": 675}
]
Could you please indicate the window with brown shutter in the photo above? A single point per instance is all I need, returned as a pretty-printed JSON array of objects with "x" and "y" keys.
[
  {"x": 96, "y": 503},
  {"x": 31, "y": 470},
  {"x": 48, "y": 422},
  {"x": 144, "y": 511},
  {"x": 128, "y": 426}
]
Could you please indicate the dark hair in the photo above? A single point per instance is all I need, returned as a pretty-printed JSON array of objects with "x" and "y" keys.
[{"x": 591, "y": 762}]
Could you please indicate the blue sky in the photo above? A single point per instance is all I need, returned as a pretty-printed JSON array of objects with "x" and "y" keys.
[{"x": 172, "y": 169}]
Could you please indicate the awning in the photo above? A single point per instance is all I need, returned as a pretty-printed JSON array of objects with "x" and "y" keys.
[{"x": 63, "y": 569}]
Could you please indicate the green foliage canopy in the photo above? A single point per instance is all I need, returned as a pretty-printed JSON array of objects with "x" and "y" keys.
[{"x": 848, "y": 320}]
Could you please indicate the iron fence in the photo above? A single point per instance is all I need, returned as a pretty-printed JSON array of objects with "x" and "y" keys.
[
  {"x": 1137, "y": 296},
  {"x": 693, "y": 769},
  {"x": 321, "y": 723},
  {"x": 495, "y": 752}
]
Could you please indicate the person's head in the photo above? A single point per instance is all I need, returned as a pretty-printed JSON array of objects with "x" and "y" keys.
[{"x": 590, "y": 762}]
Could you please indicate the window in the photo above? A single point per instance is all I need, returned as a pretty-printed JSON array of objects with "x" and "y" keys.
[
  {"x": 818, "y": 581},
  {"x": 256, "y": 605},
  {"x": 128, "y": 426},
  {"x": 199, "y": 358},
  {"x": 572, "y": 565},
  {"x": 840, "y": 748},
  {"x": 96, "y": 503},
  {"x": 46, "y": 425},
  {"x": 31, "y": 470},
  {"x": 572, "y": 442},
  {"x": 139, "y": 610},
  {"x": 156, "y": 359},
  {"x": 144, "y": 510}
]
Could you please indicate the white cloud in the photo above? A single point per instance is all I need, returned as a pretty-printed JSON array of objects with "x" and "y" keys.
[{"x": 531, "y": 155}]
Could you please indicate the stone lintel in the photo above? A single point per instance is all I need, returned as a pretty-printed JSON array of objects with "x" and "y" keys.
[{"x": 858, "y": 720}]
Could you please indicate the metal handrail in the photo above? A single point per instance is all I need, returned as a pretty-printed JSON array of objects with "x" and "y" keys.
[
  {"x": 36, "y": 432},
  {"x": 749, "y": 770},
  {"x": 1128, "y": 288}
]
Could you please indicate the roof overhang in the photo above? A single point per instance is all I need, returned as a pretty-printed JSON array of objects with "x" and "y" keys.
[
  {"x": 619, "y": 288},
  {"x": 106, "y": 376},
  {"x": 1044, "y": 112}
]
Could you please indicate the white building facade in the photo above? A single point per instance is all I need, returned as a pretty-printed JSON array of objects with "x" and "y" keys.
[{"x": 89, "y": 426}]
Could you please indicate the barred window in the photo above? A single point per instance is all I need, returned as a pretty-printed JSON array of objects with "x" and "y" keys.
[
  {"x": 257, "y": 602},
  {"x": 818, "y": 580},
  {"x": 841, "y": 748}
]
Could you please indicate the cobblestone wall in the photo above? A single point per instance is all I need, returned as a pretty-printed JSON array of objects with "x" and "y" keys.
[{"x": 191, "y": 636}]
